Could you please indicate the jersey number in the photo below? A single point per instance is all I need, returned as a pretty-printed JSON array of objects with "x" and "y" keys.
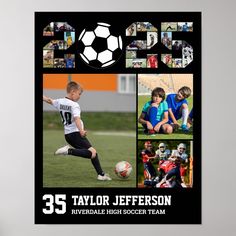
[
  {"x": 66, "y": 118},
  {"x": 57, "y": 204}
]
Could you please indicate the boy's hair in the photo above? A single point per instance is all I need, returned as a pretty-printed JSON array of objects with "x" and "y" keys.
[
  {"x": 185, "y": 91},
  {"x": 160, "y": 92},
  {"x": 72, "y": 86}
]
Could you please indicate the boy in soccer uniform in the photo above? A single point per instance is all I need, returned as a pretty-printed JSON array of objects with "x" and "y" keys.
[
  {"x": 69, "y": 61},
  {"x": 148, "y": 154},
  {"x": 178, "y": 107},
  {"x": 185, "y": 27},
  {"x": 174, "y": 167},
  {"x": 69, "y": 41},
  {"x": 75, "y": 134},
  {"x": 166, "y": 40},
  {"x": 154, "y": 116},
  {"x": 152, "y": 61},
  {"x": 162, "y": 153},
  {"x": 182, "y": 156}
]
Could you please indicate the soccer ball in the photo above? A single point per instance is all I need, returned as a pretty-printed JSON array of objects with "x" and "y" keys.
[
  {"x": 99, "y": 47},
  {"x": 123, "y": 169}
]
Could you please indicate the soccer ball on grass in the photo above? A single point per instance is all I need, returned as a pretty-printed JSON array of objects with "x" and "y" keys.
[{"x": 123, "y": 169}]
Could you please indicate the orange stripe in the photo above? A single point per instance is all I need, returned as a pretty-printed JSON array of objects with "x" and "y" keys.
[{"x": 96, "y": 82}]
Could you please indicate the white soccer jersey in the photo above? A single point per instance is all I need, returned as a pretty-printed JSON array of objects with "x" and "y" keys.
[
  {"x": 163, "y": 155},
  {"x": 68, "y": 110},
  {"x": 183, "y": 156}
]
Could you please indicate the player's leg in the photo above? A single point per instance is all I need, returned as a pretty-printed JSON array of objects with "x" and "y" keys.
[
  {"x": 184, "y": 114},
  {"x": 152, "y": 171},
  {"x": 146, "y": 171},
  {"x": 153, "y": 116},
  {"x": 80, "y": 146},
  {"x": 97, "y": 166},
  {"x": 153, "y": 119},
  {"x": 167, "y": 178},
  {"x": 83, "y": 148},
  {"x": 166, "y": 129}
]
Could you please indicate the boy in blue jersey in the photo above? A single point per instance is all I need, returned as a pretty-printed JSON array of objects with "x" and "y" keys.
[
  {"x": 185, "y": 27},
  {"x": 154, "y": 116},
  {"x": 69, "y": 61},
  {"x": 178, "y": 107}
]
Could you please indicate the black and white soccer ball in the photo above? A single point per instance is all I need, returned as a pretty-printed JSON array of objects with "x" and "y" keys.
[{"x": 99, "y": 46}]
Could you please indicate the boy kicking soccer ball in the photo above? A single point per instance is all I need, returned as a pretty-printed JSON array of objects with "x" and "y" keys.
[{"x": 75, "y": 134}]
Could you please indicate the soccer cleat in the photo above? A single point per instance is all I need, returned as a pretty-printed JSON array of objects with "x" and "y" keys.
[
  {"x": 62, "y": 151},
  {"x": 185, "y": 128},
  {"x": 151, "y": 131},
  {"x": 103, "y": 177},
  {"x": 145, "y": 131}
]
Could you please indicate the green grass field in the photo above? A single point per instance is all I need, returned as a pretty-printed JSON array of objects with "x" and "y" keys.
[
  {"x": 95, "y": 120},
  {"x": 70, "y": 171},
  {"x": 177, "y": 135}
]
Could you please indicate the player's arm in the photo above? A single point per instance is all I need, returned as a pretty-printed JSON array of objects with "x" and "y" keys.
[
  {"x": 173, "y": 117},
  {"x": 147, "y": 157},
  {"x": 163, "y": 121},
  {"x": 80, "y": 126},
  {"x": 152, "y": 158},
  {"x": 157, "y": 156},
  {"x": 172, "y": 158},
  {"x": 47, "y": 100}
]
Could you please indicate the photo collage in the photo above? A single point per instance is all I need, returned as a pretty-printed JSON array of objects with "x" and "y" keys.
[
  {"x": 165, "y": 130},
  {"x": 115, "y": 105},
  {"x": 48, "y": 50},
  {"x": 162, "y": 119},
  {"x": 134, "y": 57}
]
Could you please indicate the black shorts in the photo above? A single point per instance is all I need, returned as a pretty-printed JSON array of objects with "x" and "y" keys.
[{"x": 76, "y": 141}]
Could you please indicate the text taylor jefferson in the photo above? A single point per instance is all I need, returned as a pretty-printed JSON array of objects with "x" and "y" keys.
[{"x": 122, "y": 200}]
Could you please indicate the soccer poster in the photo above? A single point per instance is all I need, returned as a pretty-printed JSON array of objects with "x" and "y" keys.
[{"x": 117, "y": 140}]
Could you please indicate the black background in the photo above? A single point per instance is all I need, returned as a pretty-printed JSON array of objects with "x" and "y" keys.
[{"x": 186, "y": 203}]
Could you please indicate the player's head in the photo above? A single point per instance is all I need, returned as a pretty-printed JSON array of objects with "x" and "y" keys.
[
  {"x": 181, "y": 148},
  {"x": 162, "y": 147},
  {"x": 158, "y": 95},
  {"x": 183, "y": 93},
  {"x": 148, "y": 145},
  {"x": 74, "y": 91}
]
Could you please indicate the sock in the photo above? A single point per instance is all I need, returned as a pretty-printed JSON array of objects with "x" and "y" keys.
[
  {"x": 85, "y": 153},
  {"x": 153, "y": 115},
  {"x": 96, "y": 164},
  {"x": 185, "y": 116}
]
